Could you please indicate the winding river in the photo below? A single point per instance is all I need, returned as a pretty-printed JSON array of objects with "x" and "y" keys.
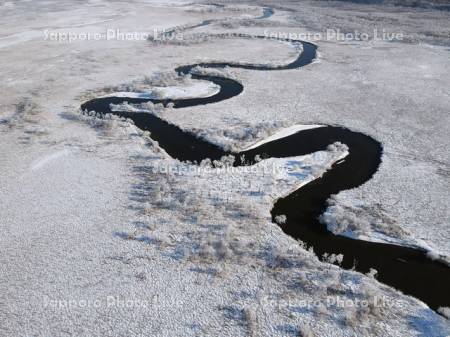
[{"x": 406, "y": 269}]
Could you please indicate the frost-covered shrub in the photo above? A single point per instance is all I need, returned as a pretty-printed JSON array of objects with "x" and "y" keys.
[
  {"x": 321, "y": 309},
  {"x": 281, "y": 219},
  {"x": 222, "y": 250},
  {"x": 104, "y": 123},
  {"x": 349, "y": 217},
  {"x": 216, "y": 247},
  {"x": 302, "y": 244},
  {"x": 26, "y": 106},
  {"x": 332, "y": 282},
  {"x": 124, "y": 106},
  {"x": 162, "y": 238},
  {"x": 239, "y": 134},
  {"x": 26, "y": 111},
  {"x": 150, "y": 84},
  {"x": 305, "y": 331},
  {"x": 151, "y": 107},
  {"x": 333, "y": 258},
  {"x": 337, "y": 147},
  {"x": 244, "y": 211},
  {"x": 148, "y": 208},
  {"x": 223, "y": 72},
  {"x": 166, "y": 79},
  {"x": 206, "y": 163},
  {"x": 225, "y": 161},
  {"x": 302, "y": 279},
  {"x": 372, "y": 273},
  {"x": 276, "y": 258},
  {"x": 251, "y": 320},
  {"x": 206, "y": 252},
  {"x": 350, "y": 317},
  {"x": 371, "y": 310},
  {"x": 148, "y": 106}
]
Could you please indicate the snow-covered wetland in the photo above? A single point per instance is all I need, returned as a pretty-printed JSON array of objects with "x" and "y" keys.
[{"x": 110, "y": 229}]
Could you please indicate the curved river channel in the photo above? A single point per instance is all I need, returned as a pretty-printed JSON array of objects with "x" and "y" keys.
[{"x": 406, "y": 269}]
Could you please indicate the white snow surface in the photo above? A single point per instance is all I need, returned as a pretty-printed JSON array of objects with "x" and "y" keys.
[{"x": 103, "y": 234}]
